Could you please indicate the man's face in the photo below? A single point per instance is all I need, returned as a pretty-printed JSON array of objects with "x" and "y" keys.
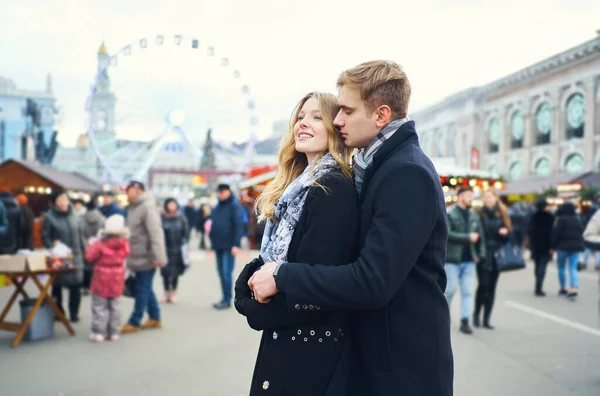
[
  {"x": 78, "y": 206},
  {"x": 357, "y": 127},
  {"x": 108, "y": 199},
  {"x": 466, "y": 198},
  {"x": 224, "y": 194},
  {"x": 133, "y": 193}
]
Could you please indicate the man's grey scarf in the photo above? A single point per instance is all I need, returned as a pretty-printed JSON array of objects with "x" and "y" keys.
[
  {"x": 280, "y": 228},
  {"x": 364, "y": 158}
]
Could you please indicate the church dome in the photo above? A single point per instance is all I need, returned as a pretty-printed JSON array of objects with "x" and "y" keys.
[{"x": 102, "y": 50}]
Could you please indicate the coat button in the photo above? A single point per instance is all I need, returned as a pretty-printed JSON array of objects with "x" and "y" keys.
[
  {"x": 275, "y": 335},
  {"x": 299, "y": 332},
  {"x": 293, "y": 338},
  {"x": 297, "y": 306},
  {"x": 320, "y": 340},
  {"x": 328, "y": 333},
  {"x": 266, "y": 385}
]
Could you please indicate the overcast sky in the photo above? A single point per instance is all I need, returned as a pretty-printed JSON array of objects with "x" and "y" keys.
[{"x": 286, "y": 48}]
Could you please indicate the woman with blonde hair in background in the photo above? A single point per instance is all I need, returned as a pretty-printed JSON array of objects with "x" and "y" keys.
[
  {"x": 496, "y": 227},
  {"x": 311, "y": 209}
]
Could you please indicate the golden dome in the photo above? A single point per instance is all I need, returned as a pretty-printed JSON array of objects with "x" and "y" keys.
[{"x": 102, "y": 50}]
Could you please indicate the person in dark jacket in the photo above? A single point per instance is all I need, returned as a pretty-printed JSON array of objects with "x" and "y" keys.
[
  {"x": 93, "y": 221},
  {"x": 496, "y": 229},
  {"x": 3, "y": 220},
  {"x": 203, "y": 217},
  {"x": 176, "y": 230},
  {"x": 225, "y": 238},
  {"x": 9, "y": 243},
  {"x": 62, "y": 225},
  {"x": 110, "y": 207},
  {"x": 191, "y": 215},
  {"x": 567, "y": 240},
  {"x": 311, "y": 218},
  {"x": 540, "y": 236},
  {"x": 466, "y": 249},
  {"x": 27, "y": 220},
  {"x": 400, "y": 322}
]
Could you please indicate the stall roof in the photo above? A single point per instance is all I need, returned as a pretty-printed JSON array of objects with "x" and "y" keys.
[
  {"x": 253, "y": 181},
  {"x": 538, "y": 184},
  {"x": 589, "y": 179},
  {"x": 67, "y": 180},
  {"x": 445, "y": 168}
]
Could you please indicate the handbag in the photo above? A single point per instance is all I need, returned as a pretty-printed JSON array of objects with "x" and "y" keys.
[
  {"x": 130, "y": 288},
  {"x": 509, "y": 258},
  {"x": 185, "y": 256}
]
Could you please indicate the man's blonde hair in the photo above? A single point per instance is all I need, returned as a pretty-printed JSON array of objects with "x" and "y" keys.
[{"x": 379, "y": 83}]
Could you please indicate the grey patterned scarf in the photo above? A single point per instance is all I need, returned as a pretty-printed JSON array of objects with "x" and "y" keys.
[
  {"x": 280, "y": 229},
  {"x": 364, "y": 157}
]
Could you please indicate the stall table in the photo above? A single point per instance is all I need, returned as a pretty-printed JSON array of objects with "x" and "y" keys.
[{"x": 19, "y": 279}]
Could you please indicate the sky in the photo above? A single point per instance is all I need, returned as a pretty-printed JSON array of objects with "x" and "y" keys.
[{"x": 282, "y": 48}]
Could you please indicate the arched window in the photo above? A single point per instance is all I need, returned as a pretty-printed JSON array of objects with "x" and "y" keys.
[
  {"x": 517, "y": 126},
  {"x": 574, "y": 163},
  {"x": 575, "y": 120},
  {"x": 440, "y": 143},
  {"x": 494, "y": 134},
  {"x": 515, "y": 171},
  {"x": 543, "y": 123},
  {"x": 542, "y": 167}
]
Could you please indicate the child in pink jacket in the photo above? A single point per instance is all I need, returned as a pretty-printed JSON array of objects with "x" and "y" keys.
[{"x": 107, "y": 256}]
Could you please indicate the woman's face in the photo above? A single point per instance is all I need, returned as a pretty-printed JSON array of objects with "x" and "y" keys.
[
  {"x": 62, "y": 203},
  {"x": 171, "y": 207},
  {"x": 310, "y": 133},
  {"x": 489, "y": 200}
]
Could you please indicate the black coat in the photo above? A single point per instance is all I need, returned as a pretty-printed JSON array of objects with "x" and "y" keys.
[
  {"x": 67, "y": 228},
  {"x": 176, "y": 232},
  {"x": 400, "y": 322},
  {"x": 27, "y": 220},
  {"x": 492, "y": 223},
  {"x": 9, "y": 243},
  {"x": 308, "y": 353},
  {"x": 191, "y": 215},
  {"x": 540, "y": 234},
  {"x": 567, "y": 233},
  {"x": 227, "y": 227}
]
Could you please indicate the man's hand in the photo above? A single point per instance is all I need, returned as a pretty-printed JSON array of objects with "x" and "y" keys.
[
  {"x": 234, "y": 251},
  {"x": 474, "y": 237},
  {"x": 262, "y": 283},
  {"x": 158, "y": 265}
]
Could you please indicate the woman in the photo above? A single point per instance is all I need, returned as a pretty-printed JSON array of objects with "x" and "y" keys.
[
  {"x": 203, "y": 217},
  {"x": 496, "y": 228},
  {"x": 61, "y": 225},
  {"x": 176, "y": 230},
  {"x": 26, "y": 237},
  {"x": 567, "y": 240},
  {"x": 93, "y": 222},
  {"x": 311, "y": 210},
  {"x": 540, "y": 236}
]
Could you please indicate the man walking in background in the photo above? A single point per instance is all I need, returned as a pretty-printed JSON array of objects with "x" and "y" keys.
[
  {"x": 225, "y": 237},
  {"x": 466, "y": 247},
  {"x": 147, "y": 244}
]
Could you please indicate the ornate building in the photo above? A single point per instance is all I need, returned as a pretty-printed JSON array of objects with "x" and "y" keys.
[{"x": 540, "y": 122}]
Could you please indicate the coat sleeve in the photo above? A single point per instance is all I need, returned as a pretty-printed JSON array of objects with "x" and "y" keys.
[
  {"x": 330, "y": 237},
  {"x": 592, "y": 230},
  {"x": 92, "y": 252},
  {"x": 47, "y": 233},
  {"x": 156, "y": 235},
  {"x": 457, "y": 236},
  {"x": 237, "y": 224},
  {"x": 556, "y": 233},
  {"x": 3, "y": 220},
  {"x": 185, "y": 230},
  {"x": 401, "y": 227}
]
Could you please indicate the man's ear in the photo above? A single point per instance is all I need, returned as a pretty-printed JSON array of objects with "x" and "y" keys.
[{"x": 383, "y": 116}]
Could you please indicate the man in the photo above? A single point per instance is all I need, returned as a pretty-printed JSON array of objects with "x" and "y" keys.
[
  {"x": 588, "y": 251},
  {"x": 400, "y": 320},
  {"x": 110, "y": 207},
  {"x": 540, "y": 239},
  {"x": 9, "y": 243},
  {"x": 466, "y": 247},
  {"x": 3, "y": 220},
  {"x": 225, "y": 237},
  {"x": 147, "y": 245},
  {"x": 191, "y": 214}
]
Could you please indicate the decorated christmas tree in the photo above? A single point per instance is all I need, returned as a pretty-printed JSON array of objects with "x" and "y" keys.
[{"x": 208, "y": 161}]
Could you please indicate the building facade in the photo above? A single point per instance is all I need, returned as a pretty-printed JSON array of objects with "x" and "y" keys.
[
  {"x": 541, "y": 121},
  {"x": 25, "y": 117}
]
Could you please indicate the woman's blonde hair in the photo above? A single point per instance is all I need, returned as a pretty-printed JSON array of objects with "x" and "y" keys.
[
  {"x": 502, "y": 209},
  {"x": 292, "y": 163}
]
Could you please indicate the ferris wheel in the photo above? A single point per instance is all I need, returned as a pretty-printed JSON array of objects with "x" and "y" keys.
[{"x": 154, "y": 100}]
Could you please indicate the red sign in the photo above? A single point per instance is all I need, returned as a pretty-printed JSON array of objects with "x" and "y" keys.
[{"x": 474, "y": 158}]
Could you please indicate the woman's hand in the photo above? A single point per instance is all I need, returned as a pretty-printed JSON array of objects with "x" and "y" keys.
[
  {"x": 242, "y": 290},
  {"x": 503, "y": 231}
]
